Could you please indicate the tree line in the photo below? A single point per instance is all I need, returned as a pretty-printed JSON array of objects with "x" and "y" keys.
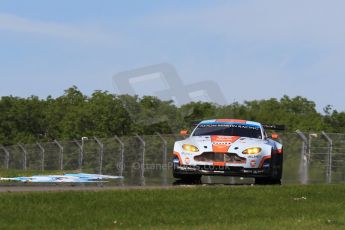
[{"x": 74, "y": 115}]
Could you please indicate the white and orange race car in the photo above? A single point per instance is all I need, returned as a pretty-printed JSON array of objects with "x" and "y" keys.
[{"x": 229, "y": 147}]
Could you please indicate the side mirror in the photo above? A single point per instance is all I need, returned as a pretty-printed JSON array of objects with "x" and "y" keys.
[
  {"x": 275, "y": 136},
  {"x": 184, "y": 132}
]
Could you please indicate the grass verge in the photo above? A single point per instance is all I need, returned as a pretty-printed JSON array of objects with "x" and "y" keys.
[{"x": 258, "y": 207}]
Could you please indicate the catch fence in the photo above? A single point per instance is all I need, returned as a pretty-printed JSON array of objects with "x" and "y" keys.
[{"x": 147, "y": 160}]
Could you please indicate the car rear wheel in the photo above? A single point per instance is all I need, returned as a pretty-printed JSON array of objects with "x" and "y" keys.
[{"x": 276, "y": 171}]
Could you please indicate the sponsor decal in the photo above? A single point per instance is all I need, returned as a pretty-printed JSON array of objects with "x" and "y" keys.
[
  {"x": 221, "y": 144},
  {"x": 231, "y": 120},
  {"x": 187, "y": 160},
  {"x": 186, "y": 154},
  {"x": 228, "y": 125},
  {"x": 224, "y": 139},
  {"x": 252, "y": 163},
  {"x": 253, "y": 156}
]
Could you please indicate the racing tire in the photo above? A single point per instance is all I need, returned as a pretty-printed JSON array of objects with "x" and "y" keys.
[{"x": 276, "y": 172}]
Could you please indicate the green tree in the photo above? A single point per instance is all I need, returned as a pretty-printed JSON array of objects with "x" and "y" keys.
[{"x": 103, "y": 114}]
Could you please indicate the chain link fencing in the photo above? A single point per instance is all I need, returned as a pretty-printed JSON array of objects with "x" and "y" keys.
[{"x": 147, "y": 160}]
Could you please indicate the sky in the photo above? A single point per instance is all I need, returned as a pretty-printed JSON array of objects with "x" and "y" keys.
[{"x": 251, "y": 49}]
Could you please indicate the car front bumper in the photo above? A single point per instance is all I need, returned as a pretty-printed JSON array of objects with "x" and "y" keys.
[{"x": 210, "y": 170}]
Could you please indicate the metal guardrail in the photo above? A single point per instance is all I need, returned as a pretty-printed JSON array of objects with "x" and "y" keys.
[{"x": 308, "y": 157}]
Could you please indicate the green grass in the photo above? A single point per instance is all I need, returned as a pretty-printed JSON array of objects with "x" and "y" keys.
[{"x": 237, "y": 207}]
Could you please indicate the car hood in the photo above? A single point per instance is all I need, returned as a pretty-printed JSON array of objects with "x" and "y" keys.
[
  {"x": 224, "y": 140},
  {"x": 224, "y": 143}
]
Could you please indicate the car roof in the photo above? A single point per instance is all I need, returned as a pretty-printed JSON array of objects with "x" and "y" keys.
[{"x": 232, "y": 121}]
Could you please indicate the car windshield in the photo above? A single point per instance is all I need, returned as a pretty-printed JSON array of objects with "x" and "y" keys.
[{"x": 228, "y": 129}]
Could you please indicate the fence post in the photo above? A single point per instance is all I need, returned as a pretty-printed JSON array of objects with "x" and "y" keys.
[
  {"x": 42, "y": 155},
  {"x": 303, "y": 170},
  {"x": 122, "y": 157},
  {"x": 81, "y": 153},
  {"x": 61, "y": 153},
  {"x": 330, "y": 152},
  {"x": 165, "y": 159},
  {"x": 101, "y": 152},
  {"x": 25, "y": 153},
  {"x": 310, "y": 138},
  {"x": 7, "y": 156},
  {"x": 142, "y": 171}
]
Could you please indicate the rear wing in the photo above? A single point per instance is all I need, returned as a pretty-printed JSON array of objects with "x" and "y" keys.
[{"x": 274, "y": 127}]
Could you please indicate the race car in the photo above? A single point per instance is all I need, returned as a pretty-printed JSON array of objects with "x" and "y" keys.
[{"x": 229, "y": 147}]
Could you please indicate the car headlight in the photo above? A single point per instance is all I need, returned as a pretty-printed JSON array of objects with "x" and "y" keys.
[
  {"x": 255, "y": 150},
  {"x": 190, "y": 148}
]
